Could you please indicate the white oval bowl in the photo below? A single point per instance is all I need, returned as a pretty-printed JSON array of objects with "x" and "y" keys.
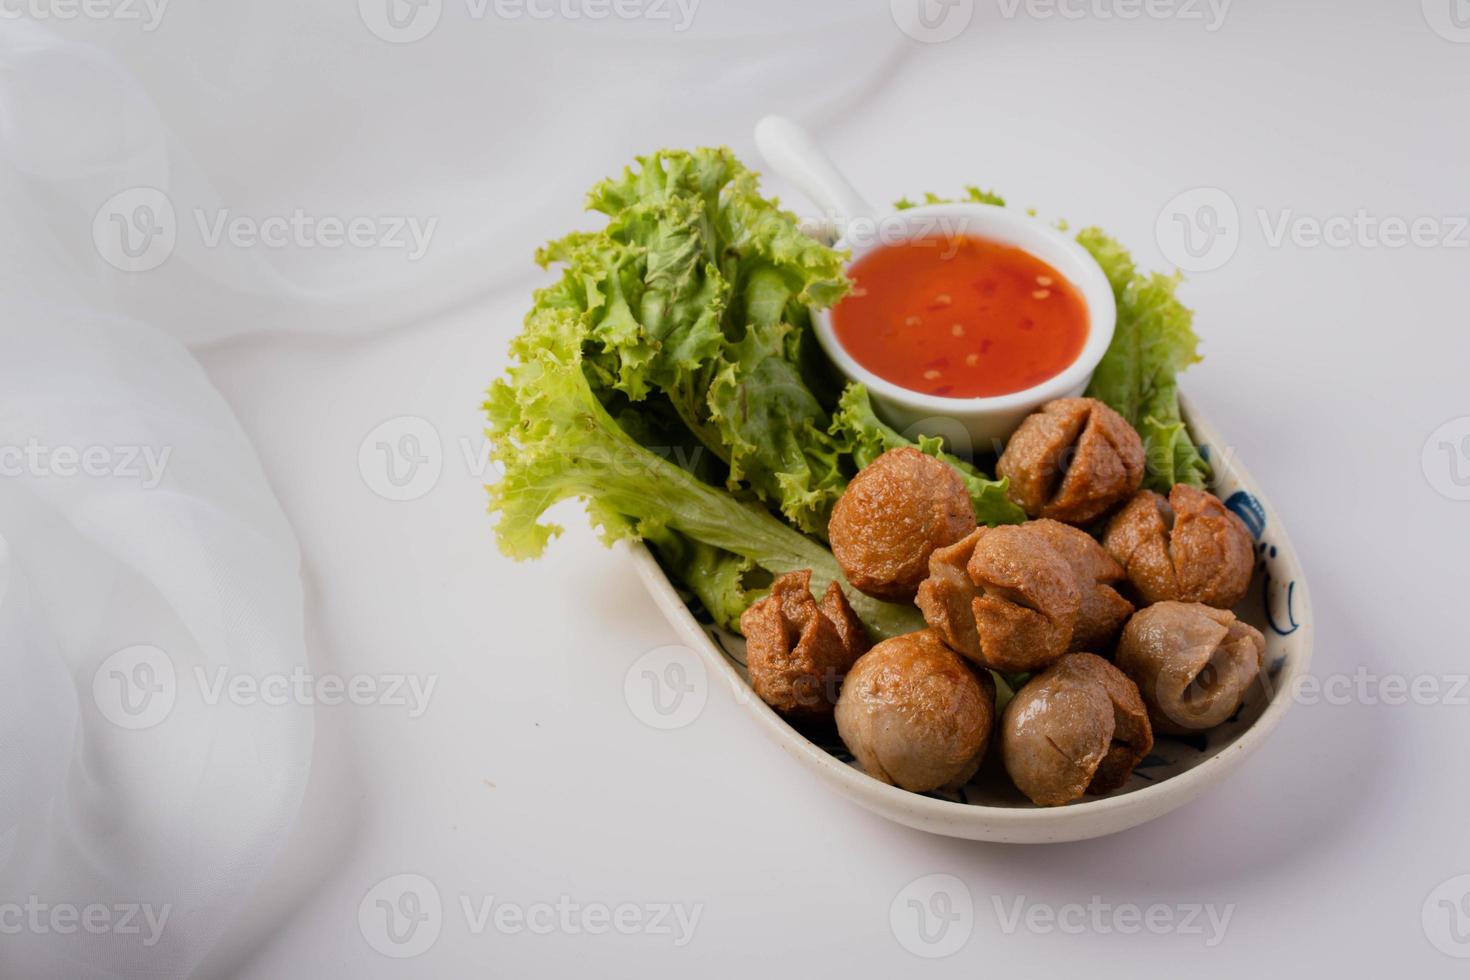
[
  {"x": 1176, "y": 772},
  {"x": 985, "y": 422}
]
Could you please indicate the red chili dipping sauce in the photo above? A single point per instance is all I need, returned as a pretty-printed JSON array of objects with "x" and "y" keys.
[{"x": 960, "y": 317}]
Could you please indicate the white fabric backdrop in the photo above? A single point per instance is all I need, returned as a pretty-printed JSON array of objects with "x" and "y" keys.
[{"x": 130, "y": 142}]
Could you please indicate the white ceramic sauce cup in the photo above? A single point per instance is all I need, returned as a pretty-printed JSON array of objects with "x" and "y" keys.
[{"x": 985, "y": 423}]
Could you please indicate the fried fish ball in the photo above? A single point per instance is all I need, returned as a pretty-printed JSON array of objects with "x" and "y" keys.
[
  {"x": 892, "y": 516},
  {"x": 1078, "y": 727},
  {"x": 1190, "y": 548},
  {"x": 1072, "y": 461},
  {"x": 915, "y": 715},
  {"x": 1003, "y": 597},
  {"x": 797, "y": 650},
  {"x": 1103, "y": 611},
  {"x": 1192, "y": 663}
]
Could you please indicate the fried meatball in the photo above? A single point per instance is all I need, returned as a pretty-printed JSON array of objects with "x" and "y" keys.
[
  {"x": 1190, "y": 547},
  {"x": 915, "y": 715},
  {"x": 1192, "y": 663},
  {"x": 1103, "y": 611},
  {"x": 1003, "y": 597},
  {"x": 1077, "y": 727},
  {"x": 892, "y": 516},
  {"x": 797, "y": 651},
  {"x": 1072, "y": 461}
]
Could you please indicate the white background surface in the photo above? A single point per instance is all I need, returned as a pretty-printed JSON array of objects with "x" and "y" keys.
[{"x": 528, "y": 778}]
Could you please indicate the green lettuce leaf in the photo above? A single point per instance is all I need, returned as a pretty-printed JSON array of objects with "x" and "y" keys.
[
  {"x": 719, "y": 579},
  {"x": 554, "y": 440},
  {"x": 973, "y": 195},
  {"x": 1154, "y": 340},
  {"x": 698, "y": 289}
]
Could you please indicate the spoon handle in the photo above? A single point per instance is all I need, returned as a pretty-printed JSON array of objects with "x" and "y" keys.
[{"x": 791, "y": 151}]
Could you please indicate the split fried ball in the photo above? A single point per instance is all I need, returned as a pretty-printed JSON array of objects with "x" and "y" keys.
[
  {"x": 1189, "y": 548},
  {"x": 1078, "y": 727},
  {"x": 797, "y": 650},
  {"x": 892, "y": 516},
  {"x": 1193, "y": 664},
  {"x": 1003, "y": 597},
  {"x": 915, "y": 715},
  {"x": 1103, "y": 611},
  {"x": 1072, "y": 461}
]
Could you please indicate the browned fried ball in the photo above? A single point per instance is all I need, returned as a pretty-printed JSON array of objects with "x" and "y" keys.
[
  {"x": 1078, "y": 727},
  {"x": 1072, "y": 461},
  {"x": 892, "y": 516},
  {"x": 798, "y": 651},
  {"x": 1193, "y": 664},
  {"x": 1190, "y": 548},
  {"x": 1103, "y": 611},
  {"x": 1003, "y": 597},
  {"x": 915, "y": 715}
]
